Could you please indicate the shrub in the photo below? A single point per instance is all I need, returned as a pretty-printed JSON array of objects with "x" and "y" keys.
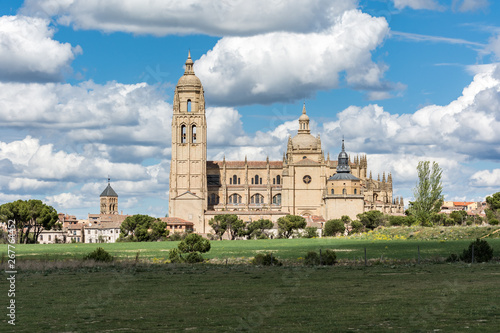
[
  {"x": 333, "y": 227},
  {"x": 99, "y": 255},
  {"x": 177, "y": 236},
  {"x": 453, "y": 258},
  {"x": 174, "y": 256},
  {"x": 310, "y": 232},
  {"x": 193, "y": 258},
  {"x": 397, "y": 220},
  {"x": 494, "y": 221},
  {"x": 357, "y": 226},
  {"x": 265, "y": 260},
  {"x": 329, "y": 257},
  {"x": 312, "y": 258},
  {"x": 483, "y": 252}
]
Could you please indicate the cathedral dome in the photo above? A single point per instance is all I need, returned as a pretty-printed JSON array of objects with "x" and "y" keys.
[
  {"x": 189, "y": 79},
  {"x": 304, "y": 141}
]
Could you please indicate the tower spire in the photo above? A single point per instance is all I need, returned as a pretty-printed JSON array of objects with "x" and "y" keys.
[{"x": 189, "y": 65}]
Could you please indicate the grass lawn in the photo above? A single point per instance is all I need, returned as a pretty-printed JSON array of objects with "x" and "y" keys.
[
  {"x": 219, "y": 298},
  {"x": 243, "y": 250}
]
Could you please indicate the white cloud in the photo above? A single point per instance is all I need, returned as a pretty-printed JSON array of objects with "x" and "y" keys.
[
  {"x": 28, "y": 52},
  {"x": 215, "y": 17},
  {"x": 494, "y": 46},
  {"x": 284, "y": 66},
  {"x": 66, "y": 201},
  {"x": 486, "y": 178},
  {"x": 418, "y": 4},
  {"x": 470, "y": 5}
]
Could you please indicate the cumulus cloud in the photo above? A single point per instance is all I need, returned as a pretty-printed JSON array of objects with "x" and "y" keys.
[
  {"x": 418, "y": 4},
  {"x": 90, "y": 113},
  {"x": 486, "y": 178},
  {"x": 66, "y": 200},
  {"x": 284, "y": 66},
  {"x": 28, "y": 52},
  {"x": 218, "y": 18}
]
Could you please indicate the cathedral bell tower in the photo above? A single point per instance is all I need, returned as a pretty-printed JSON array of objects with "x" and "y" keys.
[{"x": 188, "y": 174}]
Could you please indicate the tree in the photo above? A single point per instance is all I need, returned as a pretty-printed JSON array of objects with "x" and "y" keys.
[
  {"x": 333, "y": 227},
  {"x": 193, "y": 245},
  {"x": 257, "y": 229},
  {"x": 458, "y": 216},
  {"x": 30, "y": 216},
  {"x": 290, "y": 223},
  {"x": 371, "y": 219},
  {"x": 428, "y": 192},
  {"x": 234, "y": 226},
  {"x": 219, "y": 225},
  {"x": 493, "y": 211},
  {"x": 142, "y": 228}
]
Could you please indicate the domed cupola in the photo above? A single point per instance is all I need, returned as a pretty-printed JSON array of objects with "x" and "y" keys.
[
  {"x": 343, "y": 161},
  {"x": 304, "y": 140}
]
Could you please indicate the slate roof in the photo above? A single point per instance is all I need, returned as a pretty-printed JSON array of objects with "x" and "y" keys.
[
  {"x": 343, "y": 176},
  {"x": 109, "y": 192}
]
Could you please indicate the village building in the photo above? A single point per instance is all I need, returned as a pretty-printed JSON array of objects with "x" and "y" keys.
[{"x": 304, "y": 182}]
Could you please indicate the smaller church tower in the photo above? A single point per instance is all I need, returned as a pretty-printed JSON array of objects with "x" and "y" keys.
[{"x": 109, "y": 200}]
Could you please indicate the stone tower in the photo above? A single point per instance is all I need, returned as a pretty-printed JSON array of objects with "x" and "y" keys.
[
  {"x": 188, "y": 173},
  {"x": 109, "y": 200}
]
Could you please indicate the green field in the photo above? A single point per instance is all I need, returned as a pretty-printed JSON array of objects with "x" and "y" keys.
[
  {"x": 56, "y": 291},
  {"x": 220, "y": 298},
  {"x": 244, "y": 250}
]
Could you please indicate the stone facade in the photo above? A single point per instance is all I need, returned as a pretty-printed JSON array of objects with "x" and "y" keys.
[{"x": 303, "y": 183}]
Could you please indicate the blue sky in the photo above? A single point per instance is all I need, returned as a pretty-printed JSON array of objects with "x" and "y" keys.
[{"x": 86, "y": 90}]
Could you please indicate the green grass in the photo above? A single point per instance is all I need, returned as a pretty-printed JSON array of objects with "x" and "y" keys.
[
  {"x": 242, "y": 250},
  {"x": 220, "y": 298}
]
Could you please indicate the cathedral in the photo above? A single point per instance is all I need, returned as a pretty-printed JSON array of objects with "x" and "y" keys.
[{"x": 303, "y": 183}]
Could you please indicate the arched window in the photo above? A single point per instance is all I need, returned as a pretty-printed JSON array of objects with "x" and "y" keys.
[
  {"x": 189, "y": 105},
  {"x": 235, "y": 199},
  {"x": 213, "y": 199},
  {"x": 183, "y": 134},
  {"x": 333, "y": 192},
  {"x": 344, "y": 191},
  {"x": 230, "y": 181},
  {"x": 193, "y": 134},
  {"x": 278, "y": 179},
  {"x": 235, "y": 180},
  {"x": 277, "y": 200},
  {"x": 257, "y": 199},
  {"x": 355, "y": 191}
]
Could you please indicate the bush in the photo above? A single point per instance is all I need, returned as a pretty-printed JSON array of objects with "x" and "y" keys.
[
  {"x": 453, "y": 258},
  {"x": 357, "y": 226},
  {"x": 265, "y": 260},
  {"x": 494, "y": 222},
  {"x": 310, "y": 232},
  {"x": 193, "y": 245},
  {"x": 177, "y": 236},
  {"x": 397, "y": 220},
  {"x": 329, "y": 257},
  {"x": 483, "y": 252},
  {"x": 193, "y": 258},
  {"x": 99, "y": 255},
  {"x": 333, "y": 227},
  {"x": 311, "y": 259}
]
